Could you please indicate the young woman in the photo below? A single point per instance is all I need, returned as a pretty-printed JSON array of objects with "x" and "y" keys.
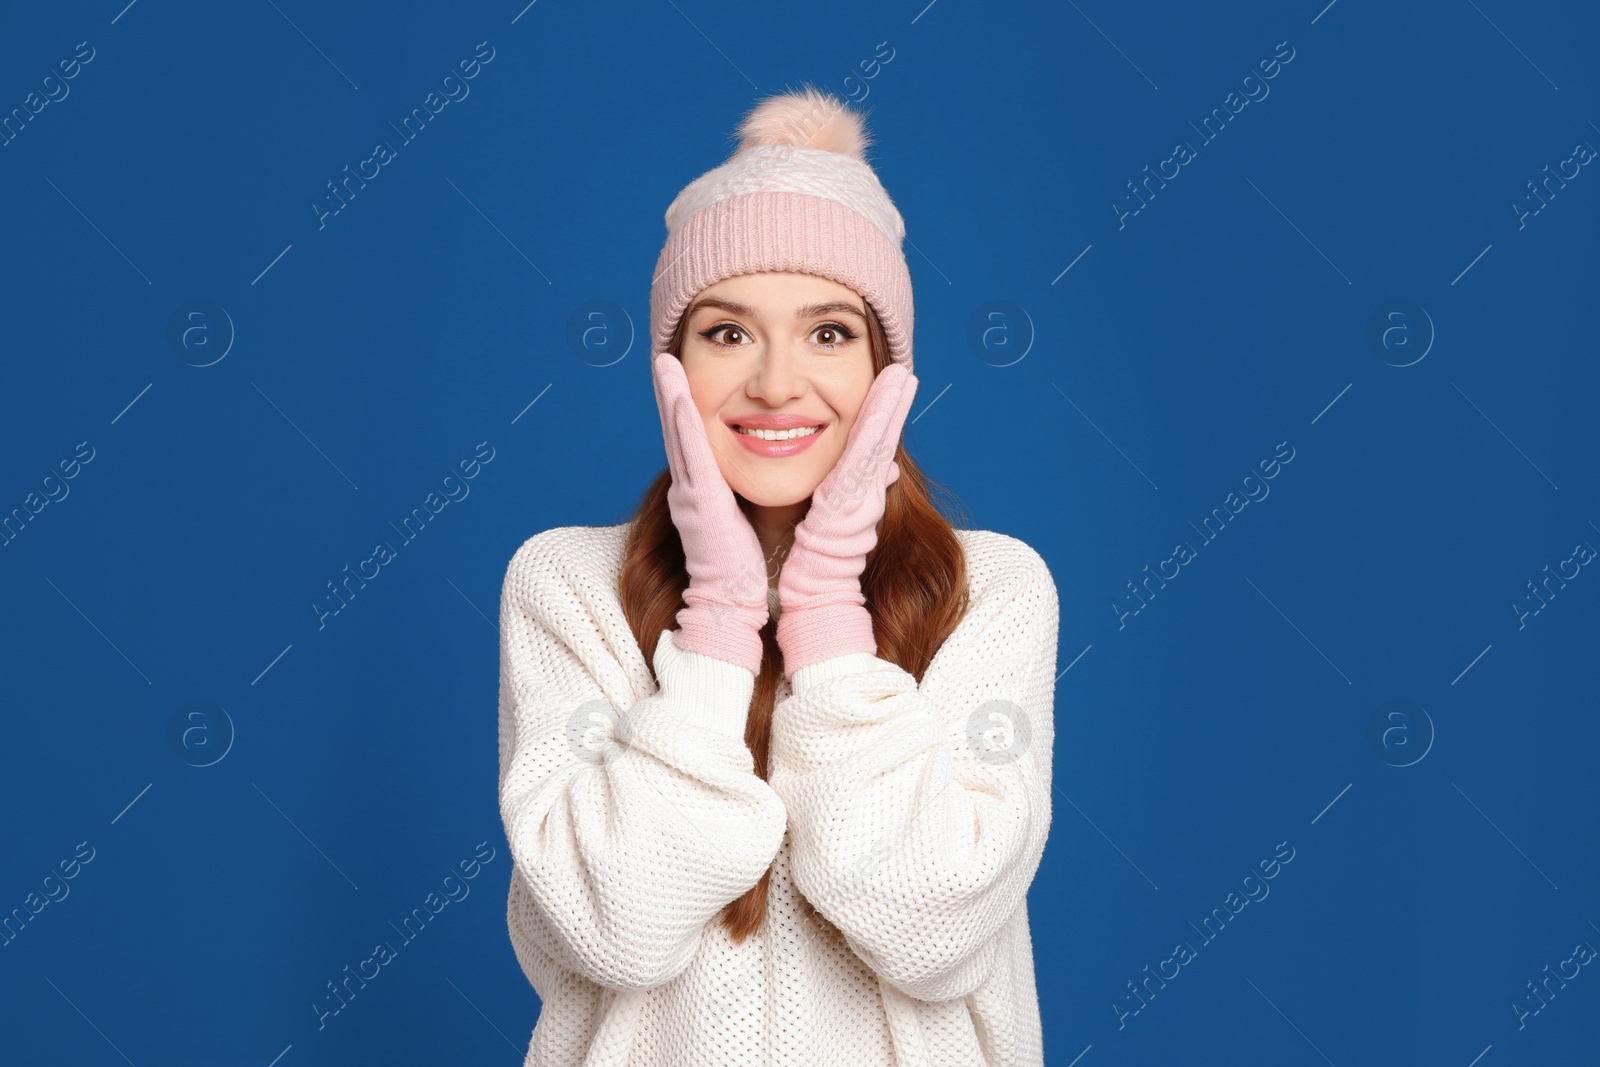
[{"x": 775, "y": 754}]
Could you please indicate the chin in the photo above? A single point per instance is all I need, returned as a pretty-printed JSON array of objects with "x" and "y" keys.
[
  {"x": 778, "y": 493},
  {"x": 771, "y": 496}
]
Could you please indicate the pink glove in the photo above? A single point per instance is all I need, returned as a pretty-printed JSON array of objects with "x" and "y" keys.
[
  {"x": 726, "y": 601},
  {"x": 823, "y": 612}
]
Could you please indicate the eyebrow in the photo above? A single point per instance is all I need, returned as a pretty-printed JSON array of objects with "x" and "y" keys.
[{"x": 831, "y": 307}]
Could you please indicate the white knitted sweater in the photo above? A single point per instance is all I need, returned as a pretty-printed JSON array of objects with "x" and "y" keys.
[{"x": 911, "y": 816}]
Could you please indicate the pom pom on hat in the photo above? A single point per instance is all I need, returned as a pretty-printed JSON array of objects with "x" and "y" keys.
[
  {"x": 806, "y": 119},
  {"x": 799, "y": 142}
]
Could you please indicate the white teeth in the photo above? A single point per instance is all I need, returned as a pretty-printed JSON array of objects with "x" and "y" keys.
[{"x": 779, "y": 435}]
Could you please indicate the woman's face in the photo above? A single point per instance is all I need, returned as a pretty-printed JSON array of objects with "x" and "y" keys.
[{"x": 777, "y": 343}]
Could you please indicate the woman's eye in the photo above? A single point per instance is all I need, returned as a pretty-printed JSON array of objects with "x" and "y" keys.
[
  {"x": 833, "y": 335},
  {"x": 731, "y": 331},
  {"x": 828, "y": 335}
]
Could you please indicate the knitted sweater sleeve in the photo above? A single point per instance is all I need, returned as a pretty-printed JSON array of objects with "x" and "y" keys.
[
  {"x": 918, "y": 813},
  {"x": 633, "y": 817}
]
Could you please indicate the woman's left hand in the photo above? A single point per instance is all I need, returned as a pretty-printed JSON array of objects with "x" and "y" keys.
[{"x": 823, "y": 611}]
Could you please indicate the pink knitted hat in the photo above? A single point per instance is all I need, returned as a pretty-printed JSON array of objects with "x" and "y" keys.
[{"x": 796, "y": 195}]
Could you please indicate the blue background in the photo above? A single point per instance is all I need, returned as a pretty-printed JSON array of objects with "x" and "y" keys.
[{"x": 1440, "y": 860}]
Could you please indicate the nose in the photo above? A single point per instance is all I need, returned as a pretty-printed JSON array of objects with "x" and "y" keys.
[{"x": 777, "y": 376}]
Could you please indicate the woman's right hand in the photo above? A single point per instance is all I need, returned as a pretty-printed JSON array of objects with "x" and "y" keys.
[{"x": 726, "y": 601}]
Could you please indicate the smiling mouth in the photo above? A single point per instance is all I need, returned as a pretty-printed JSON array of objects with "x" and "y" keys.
[{"x": 779, "y": 435}]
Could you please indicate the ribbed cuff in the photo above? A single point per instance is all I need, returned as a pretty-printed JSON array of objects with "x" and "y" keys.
[
  {"x": 810, "y": 635},
  {"x": 806, "y": 679},
  {"x": 730, "y": 632},
  {"x": 707, "y": 691}
]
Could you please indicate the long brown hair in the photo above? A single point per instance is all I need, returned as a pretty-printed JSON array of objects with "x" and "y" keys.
[{"x": 915, "y": 585}]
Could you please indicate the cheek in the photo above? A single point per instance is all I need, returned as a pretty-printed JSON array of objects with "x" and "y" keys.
[
  {"x": 847, "y": 394},
  {"x": 836, "y": 442},
  {"x": 709, "y": 388}
]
